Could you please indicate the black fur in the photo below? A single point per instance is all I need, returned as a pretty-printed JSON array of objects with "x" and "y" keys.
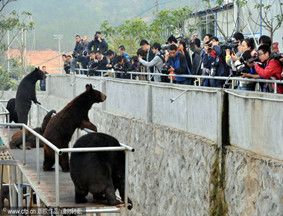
[
  {"x": 26, "y": 94},
  {"x": 99, "y": 173},
  {"x": 11, "y": 108}
]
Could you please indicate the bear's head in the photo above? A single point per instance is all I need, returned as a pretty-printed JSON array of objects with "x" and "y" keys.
[
  {"x": 38, "y": 74},
  {"x": 94, "y": 96}
]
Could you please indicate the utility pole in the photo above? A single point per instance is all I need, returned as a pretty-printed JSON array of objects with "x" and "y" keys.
[
  {"x": 8, "y": 52},
  {"x": 156, "y": 6},
  {"x": 59, "y": 37}
]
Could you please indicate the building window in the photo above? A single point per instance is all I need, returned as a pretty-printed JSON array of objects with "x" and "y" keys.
[{"x": 207, "y": 25}]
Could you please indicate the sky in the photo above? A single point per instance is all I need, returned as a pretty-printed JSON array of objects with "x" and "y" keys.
[{"x": 69, "y": 17}]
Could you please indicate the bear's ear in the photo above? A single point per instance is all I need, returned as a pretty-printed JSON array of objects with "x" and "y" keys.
[{"x": 88, "y": 87}]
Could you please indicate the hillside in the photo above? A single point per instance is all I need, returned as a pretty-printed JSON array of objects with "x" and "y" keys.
[{"x": 81, "y": 17}]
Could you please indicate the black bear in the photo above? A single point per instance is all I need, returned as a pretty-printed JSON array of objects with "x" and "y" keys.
[
  {"x": 17, "y": 137},
  {"x": 26, "y": 93},
  {"x": 11, "y": 108},
  {"x": 61, "y": 127},
  {"x": 4, "y": 194},
  {"x": 100, "y": 173}
]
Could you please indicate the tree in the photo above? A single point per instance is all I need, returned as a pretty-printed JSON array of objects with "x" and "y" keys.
[
  {"x": 16, "y": 24},
  {"x": 130, "y": 32},
  {"x": 270, "y": 19}
]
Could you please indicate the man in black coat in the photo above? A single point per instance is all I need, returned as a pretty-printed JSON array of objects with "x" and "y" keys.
[
  {"x": 98, "y": 44},
  {"x": 78, "y": 54}
]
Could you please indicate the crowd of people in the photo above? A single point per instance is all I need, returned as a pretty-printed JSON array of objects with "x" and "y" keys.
[{"x": 239, "y": 56}]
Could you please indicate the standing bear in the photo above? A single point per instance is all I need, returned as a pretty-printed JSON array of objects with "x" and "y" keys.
[
  {"x": 61, "y": 127},
  {"x": 26, "y": 94},
  {"x": 11, "y": 108},
  {"x": 100, "y": 173}
]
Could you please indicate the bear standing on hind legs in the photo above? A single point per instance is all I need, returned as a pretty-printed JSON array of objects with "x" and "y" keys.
[
  {"x": 61, "y": 127},
  {"x": 26, "y": 93}
]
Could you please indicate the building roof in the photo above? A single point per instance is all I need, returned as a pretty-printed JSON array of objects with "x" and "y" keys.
[{"x": 214, "y": 10}]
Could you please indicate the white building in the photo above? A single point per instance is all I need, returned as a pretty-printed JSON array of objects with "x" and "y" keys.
[{"x": 222, "y": 21}]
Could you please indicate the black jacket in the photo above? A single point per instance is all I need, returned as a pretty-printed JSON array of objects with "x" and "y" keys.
[{"x": 96, "y": 45}]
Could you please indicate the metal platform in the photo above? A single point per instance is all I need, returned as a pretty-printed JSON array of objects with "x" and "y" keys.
[{"x": 45, "y": 190}]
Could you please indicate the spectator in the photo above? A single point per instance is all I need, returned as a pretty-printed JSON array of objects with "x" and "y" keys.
[
  {"x": 92, "y": 64},
  {"x": 157, "y": 62},
  {"x": 145, "y": 46},
  {"x": 111, "y": 59},
  {"x": 232, "y": 57},
  {"x": 182, "y": 47},
  {"x": 265, "y": 40},
  {"x": 101, "y": 62},
  {"x": 270, "y": 68},
  {"x": 196, "y": 59},
  {"x": 177, "y": 64},
  {"x": 214, "y": 58},
  {"x": 172, "y": 40},
  {"x": 247, "y": 44},
  {"x": 205, "y": 58},
  {"x": 239, "y": 37},
  {"x": 85, "y": 43},
  {"x": 42, "y": 83},
  {"x": 123, "y": 66},
  {"x": 98, "y": 44},
  {"x": 124, "y": 54},
  {"x": 66, "y": 64},
  {"x": 248, "y": 71},
  {"x": 78, "y": 54}
]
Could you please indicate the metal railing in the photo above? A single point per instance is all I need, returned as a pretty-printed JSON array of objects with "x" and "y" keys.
[
  {"x": 59, "y": 152},
  {"x": 199, "y": 78},
  {"x": 4, "y": 111}
]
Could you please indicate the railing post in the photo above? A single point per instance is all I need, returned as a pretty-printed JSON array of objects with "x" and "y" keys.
[
  {"x": 126, "y": 181},
  {"x": 37, "y": 160},
  {"x": 24, "y": 144},
  {"x": 37, "y": 115},
  {"x": 57, "y": 195},
  {"x": 149, "y": 104},
  {"x": 275, "y": 88},
  {"x": 20, "y": 189},
  {"x": 9, "y": 136}
]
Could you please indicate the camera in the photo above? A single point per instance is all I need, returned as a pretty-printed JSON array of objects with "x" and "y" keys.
[
  {"x": 241, "y": 68},
  {"x": 165, "y": 69},
  {"x": 165, "y": 47},
  {"x": 230, "y": 44},
  {"x": 214, "y": 67},
  {"x": 276, "y": 56}
]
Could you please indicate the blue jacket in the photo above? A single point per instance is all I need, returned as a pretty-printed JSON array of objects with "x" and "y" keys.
[{"x": 179, "y": 63}]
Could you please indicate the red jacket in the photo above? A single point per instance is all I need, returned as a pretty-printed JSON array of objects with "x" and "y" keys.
[{"x": 273, "y": 69}]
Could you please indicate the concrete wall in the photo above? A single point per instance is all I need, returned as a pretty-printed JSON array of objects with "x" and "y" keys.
[
  {"x": 151, "y": 102},
  {"x": 253, "y": 184},
  {"x": 257, "y": 124}
]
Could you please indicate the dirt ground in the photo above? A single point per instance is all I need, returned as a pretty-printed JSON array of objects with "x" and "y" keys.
[{"x": 49, "y": 58}]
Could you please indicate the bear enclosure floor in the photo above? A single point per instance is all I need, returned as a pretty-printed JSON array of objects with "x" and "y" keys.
[{"x": 46, "y": 188}]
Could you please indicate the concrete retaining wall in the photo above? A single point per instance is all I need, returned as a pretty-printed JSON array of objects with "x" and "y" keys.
[
  {"x": 151, "y": 102},
  {"x": 253, "y": 184},
  {"x": 256, "y": 123}
]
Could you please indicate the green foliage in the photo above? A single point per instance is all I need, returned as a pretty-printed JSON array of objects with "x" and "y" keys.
[
  {"x": 130, "y": 32},
  {"x": 14, "y": 22},
  {"x": 5, "y": 82}
]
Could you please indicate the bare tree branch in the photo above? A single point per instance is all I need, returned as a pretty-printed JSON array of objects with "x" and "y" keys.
[{"x": 4, "y": 4}]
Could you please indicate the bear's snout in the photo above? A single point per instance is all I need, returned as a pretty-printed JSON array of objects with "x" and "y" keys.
[{"x": 103, "y": 97}]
